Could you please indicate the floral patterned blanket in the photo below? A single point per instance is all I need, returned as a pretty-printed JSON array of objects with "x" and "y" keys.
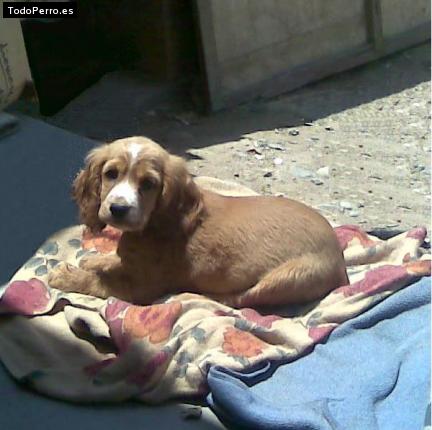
[{"x": 83, "y": 348}]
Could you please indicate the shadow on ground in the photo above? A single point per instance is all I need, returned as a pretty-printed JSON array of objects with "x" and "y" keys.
[{"x": 118, "y": 107}]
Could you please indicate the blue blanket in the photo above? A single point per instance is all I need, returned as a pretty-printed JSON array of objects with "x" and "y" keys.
[{"x": 373, "y": 373}]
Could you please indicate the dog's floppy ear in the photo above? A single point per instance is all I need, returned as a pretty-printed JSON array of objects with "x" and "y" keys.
[
  {"x": 86, "y": 190},
  {"x": 180, "y": 199}
]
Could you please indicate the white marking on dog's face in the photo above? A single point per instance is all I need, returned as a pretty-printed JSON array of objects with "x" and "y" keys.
[
  {"x": 124, "y": 193},
  {"x": 134, "y": 149},
  {"x": 136, "y": 183}
]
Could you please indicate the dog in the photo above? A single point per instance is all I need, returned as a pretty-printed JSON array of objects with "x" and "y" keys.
[{"x": 179, "y": 238}]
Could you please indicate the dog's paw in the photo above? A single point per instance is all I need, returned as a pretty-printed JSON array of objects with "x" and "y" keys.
[
  {"x": 99, "y": 263},
  {"x": 63, "y": 277},
  {"x": 91, "y": 263}
]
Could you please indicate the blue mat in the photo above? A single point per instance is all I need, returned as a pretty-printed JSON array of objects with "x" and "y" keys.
[
  {"x": 373, "y": 373},
  {"x": 37, "y": 166}
]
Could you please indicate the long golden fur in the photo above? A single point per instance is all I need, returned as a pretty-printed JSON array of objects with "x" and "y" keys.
[{"x": 177, "y": 237}]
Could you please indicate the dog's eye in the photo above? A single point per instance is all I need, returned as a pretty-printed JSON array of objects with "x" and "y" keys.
[
  {"x": 111, "y": 174},
  {"x": 147, "y": 184}
]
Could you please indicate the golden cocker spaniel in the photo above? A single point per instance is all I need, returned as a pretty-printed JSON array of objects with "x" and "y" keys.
[{"x": 177, "y": 237}]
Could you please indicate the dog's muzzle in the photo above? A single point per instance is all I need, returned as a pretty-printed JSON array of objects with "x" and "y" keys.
[{"x": 119, "y": 211}]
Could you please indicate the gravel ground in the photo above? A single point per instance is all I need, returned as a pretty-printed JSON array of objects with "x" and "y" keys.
[
  {"x": 367, "y": 164},
  {"x": 356, "y": 146}
]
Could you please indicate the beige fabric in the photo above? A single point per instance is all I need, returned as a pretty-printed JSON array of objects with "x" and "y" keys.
[{"x": 82, "y": 348}]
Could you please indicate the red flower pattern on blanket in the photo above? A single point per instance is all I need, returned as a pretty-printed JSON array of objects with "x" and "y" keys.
[
  {"x": 320, "y": 333},
  {"x": 150, "y": 368},
  {"x": 104, "y": 242},
  {"x": 348, "y": 233},
  {"x": 418, "y": 267},
  {"x": 241, "y": 343},
  {"x": 26, "y": 297},
  {"x": 375, "y": 281},
  {"x": 114, "y": 314},
  {"x": 263, "y": 321},
  {"x": 418, "y": 233},
  {"x": 177, "y": 342},
  {"x": 384, "y": 277},
  {"x": 127, "y": 322},
  {"x": 251, "y": 315},
  {"x": 154, "y": 322},
  {"x": 93, "y": 369}
]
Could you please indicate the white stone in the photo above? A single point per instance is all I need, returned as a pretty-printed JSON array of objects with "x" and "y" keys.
[
  {"x": 345, "y": 205},
  {"x": 324, "y": 172}
]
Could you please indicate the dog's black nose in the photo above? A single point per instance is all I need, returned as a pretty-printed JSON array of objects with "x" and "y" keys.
[{"x": 119, "y": 211}]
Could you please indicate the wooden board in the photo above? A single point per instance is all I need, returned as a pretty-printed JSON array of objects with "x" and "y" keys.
[{"x": 256, "y": 48}]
